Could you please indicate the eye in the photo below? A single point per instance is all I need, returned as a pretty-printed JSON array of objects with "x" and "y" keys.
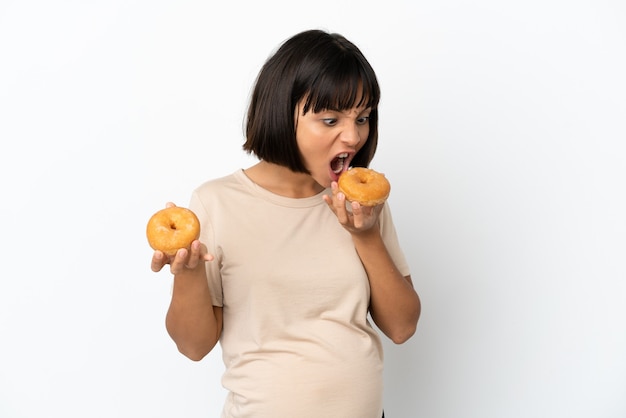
[
  {"x": 363, "y": 120},
  {"x": 330, "y": 121}
]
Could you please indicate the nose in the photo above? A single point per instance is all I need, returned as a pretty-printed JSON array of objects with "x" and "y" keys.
[{"x": 351, "y": 135}]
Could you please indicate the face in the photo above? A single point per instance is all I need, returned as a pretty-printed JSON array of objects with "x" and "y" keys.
[{"x": 328, "y": 140}]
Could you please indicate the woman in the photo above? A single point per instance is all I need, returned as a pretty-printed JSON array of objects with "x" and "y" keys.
[{"x": 286, "y": 271}]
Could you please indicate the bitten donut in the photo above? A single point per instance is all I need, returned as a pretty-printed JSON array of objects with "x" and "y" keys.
[
  {"x": 364, "y": 185},
  {"x": 172, "y": 228}
]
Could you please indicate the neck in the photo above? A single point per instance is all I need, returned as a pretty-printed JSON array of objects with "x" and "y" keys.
[{"x": 282, "y": 181}]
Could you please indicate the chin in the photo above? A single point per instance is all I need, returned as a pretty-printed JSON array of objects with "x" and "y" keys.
[
  {"x": 325, "y": 184},
  {"x": 324, "y": 181},
  {"x": 333, "y": 177}
]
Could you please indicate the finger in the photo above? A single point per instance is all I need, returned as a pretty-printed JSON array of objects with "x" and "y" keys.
[
  {"x": 158, "y": 261},
  {"x": 357, "y": 214},
  {"x": 341, "y": 211},
  {"x": 364, "y": 216},
  {"x": 329, "y": 202},
  {"x": 332, "y": 198},
  {"x": 374, "y": 211},
  {"x": 366, "y": 210},
  {"x": 180, "y": 259},
  {"x": 334, "y": 188},
  {"x": 204, "y": 253},
  {"x": 170, "y": 205},
  {"x": 195, "y": 255}
]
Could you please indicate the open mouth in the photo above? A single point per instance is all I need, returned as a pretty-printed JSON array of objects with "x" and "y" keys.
[{"x": 338, "y": 163}]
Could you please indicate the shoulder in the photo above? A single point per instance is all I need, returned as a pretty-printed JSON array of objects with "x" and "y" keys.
[
  {"x": 222, "y": 191},
  {"x": 220, "y": 186},
  {"x": 216, "y": 183}
]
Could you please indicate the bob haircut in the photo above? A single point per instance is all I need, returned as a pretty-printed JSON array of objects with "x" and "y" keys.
[{"x": 325, "y": 69}]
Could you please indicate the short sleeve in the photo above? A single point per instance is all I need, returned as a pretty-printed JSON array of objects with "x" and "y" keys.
[{"x": 207, "y": 238}]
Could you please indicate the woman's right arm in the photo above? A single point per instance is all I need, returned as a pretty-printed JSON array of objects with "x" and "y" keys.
[{"x": 192, "y": 321}]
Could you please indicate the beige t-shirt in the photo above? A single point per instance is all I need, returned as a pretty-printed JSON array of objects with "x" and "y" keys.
[{"x": 296, "y": 341}]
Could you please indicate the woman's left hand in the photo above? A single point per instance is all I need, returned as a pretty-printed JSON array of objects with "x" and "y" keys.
[{"x": 360, "y": 219}]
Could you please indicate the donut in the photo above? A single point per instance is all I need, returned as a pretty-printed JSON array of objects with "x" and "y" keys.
[
  {"x": 172, "y": 228},
  {"x": 364, "y": 185}
]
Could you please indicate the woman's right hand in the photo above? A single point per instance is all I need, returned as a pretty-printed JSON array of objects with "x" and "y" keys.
[{"x": 183, "y": 259}]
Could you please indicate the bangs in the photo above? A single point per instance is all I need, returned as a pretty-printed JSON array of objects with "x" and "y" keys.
[{"x": 343, "y": 86}]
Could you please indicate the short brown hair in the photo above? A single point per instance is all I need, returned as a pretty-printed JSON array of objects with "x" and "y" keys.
[{"x": 326, "y": 69}]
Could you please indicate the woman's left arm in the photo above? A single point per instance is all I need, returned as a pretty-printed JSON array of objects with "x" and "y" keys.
[{"x": 395, "y": 306}]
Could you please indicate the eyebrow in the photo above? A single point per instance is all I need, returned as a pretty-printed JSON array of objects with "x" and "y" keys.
[{"x": 347, "y": 111}]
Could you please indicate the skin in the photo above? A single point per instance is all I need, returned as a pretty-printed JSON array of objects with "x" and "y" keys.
[{"x": 195, "y": 325}]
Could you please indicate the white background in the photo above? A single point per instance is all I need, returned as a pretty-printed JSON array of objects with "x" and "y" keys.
[{"x": 503, "y": 134}]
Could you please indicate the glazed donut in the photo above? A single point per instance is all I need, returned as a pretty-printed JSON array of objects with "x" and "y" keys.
[
  {"x": 172, "y": 228},
  {"x": 364, "y": 185}
]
